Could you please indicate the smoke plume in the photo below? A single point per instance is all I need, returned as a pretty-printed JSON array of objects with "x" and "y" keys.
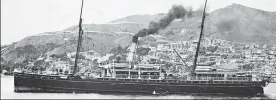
[{"x": 176, "y": 12}]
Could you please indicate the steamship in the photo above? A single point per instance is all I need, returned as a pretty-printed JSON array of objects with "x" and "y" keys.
[{"x": 131, "y": 77}]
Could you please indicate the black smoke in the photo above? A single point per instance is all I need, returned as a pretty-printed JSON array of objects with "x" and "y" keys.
[{"x": 176, "y": 12}]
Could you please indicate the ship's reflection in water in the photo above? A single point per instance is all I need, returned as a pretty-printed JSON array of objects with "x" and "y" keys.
[{"x": 7, "y": 93}]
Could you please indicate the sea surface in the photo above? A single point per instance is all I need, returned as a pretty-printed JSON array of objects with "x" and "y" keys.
[{"x": 8, "y": 93}]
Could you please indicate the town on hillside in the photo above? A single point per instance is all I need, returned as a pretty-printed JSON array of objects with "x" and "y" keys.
[{"x": 174, "y": 55}]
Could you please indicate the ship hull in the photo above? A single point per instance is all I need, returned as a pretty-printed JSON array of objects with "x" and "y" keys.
[{"x": 42, "y": 84}]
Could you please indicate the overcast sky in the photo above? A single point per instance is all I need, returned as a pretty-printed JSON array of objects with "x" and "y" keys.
[{"x": 22, "y": 18}]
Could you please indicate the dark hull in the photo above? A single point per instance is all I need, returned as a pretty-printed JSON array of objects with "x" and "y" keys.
[{"x": 44, "y": 84}]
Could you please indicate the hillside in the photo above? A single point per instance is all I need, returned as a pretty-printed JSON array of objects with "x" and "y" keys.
[
  {"x": 234, "y": 22},
  {"x": 240, "y": 23}
]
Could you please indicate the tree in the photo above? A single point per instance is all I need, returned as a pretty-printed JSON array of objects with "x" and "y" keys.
[
  {"x": 202, "y": 51},
  {"x": 164, "y": 56},
  {"x": 17, "y": 65},
  {"x": 190, "y": 12},
  {"x": 175, "y": 69},
  {"x": 212, "y": 48},
  {"x": 9, "y": 65},
  {"x": 4, "y": 67},
  {"x": 95, "y": 61},
  {"x": 169, "y": 33},
  {"x": 66, "y": 72},
  {"x": 168, "y": 65},
  {"x": 2, "y": 59},
  {"x": 143, "y": 51},
  {"x": 47, "y": 65},
  {"x": 63, "y": 57},
  {"x": 248, "y": 67},
  {"x": 29, "y": 52},
  {"x": 24, "y": 63},
  {"x": 81, "y": 56},
  {"x": 118, "y": 50},
  {"x": 94, "y": 64},
  {"x": 39, "y": 65},
  {"x": 224, "y": 56}
]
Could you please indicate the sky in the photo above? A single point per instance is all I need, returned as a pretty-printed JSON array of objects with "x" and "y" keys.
[{"x": 22, "y": 18}]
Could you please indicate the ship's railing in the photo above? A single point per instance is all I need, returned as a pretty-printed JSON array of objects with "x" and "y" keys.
[
  {"x": 214, "y": 78},
  {"x": 186, "y": 78},
  {"x": 225, "y": 78},
  {"x": 154, "y": 77},
  {"x": 137, "y": 76}
]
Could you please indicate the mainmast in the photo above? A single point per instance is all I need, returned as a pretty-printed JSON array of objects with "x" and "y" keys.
[
  {"x": 79, "y": 41},
  {"x": 198, "y": 44}
]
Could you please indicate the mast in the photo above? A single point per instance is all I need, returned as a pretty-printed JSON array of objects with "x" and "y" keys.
[
  {"x": 201, "y": 32},
  {"x": 79, "y": 41}
]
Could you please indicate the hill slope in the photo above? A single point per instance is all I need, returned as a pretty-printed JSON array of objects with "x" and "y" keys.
[{"x": 234, "y": 22}]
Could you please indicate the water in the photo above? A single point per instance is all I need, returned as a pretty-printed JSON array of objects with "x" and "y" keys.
[{"x": 7, "y": 93}]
